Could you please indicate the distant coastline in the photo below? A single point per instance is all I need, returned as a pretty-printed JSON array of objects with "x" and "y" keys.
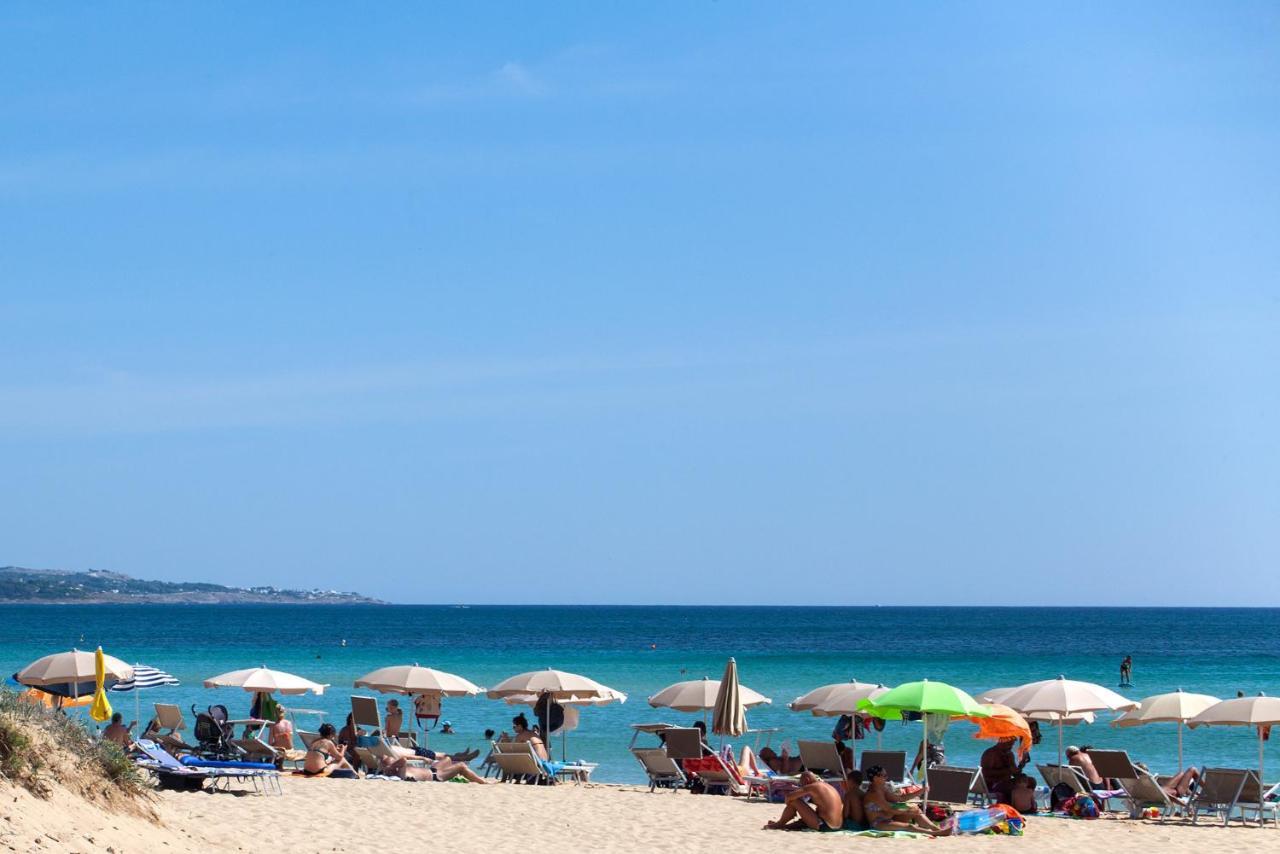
[{"x": 22, "y": 586}]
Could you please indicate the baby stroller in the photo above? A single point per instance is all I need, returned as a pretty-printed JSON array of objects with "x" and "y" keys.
[{"x": 213, "y": 733}]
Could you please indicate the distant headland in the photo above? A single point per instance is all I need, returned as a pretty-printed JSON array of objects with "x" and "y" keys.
[{"x": 96, "y": 586}]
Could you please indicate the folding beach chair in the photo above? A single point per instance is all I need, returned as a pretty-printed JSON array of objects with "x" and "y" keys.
[
  {"x": 949, "y": 785},
  {"x": 823, "y": 759},
  {"x": 306, "y": 737},
  {"x": 1254, "y": 799},
  {"x": 1068, "y": 774},
  {"x": 661, "y": 769},
  {"x": 1113, "y": 764},
  {"x": 1144, "y": 790},
  {"x": 170, "y": 720},
  {"x": 683, "y": 743},
  {"x": 264, "y": 778},
  {"x": 364, "y": 713},
  {"x": 894, "y": 762},
  {"x": 516, "y": 760},
  {"x": 1218, "y": 793}
]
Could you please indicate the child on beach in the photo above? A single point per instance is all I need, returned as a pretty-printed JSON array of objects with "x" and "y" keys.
[{"x": 1022, "y": 797}]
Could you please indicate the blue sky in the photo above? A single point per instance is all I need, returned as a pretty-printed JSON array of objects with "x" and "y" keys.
[{"x": 665, "y": 302}]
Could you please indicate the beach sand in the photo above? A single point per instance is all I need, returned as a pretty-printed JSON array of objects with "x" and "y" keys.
[{"x": 371, "y": 815}]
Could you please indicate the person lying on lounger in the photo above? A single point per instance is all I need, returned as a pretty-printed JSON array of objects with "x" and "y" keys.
[
  {"x": 1180, "y": 786},
  {"x": 815, "y": 805},
  {"x": 781, "y": 763},
  {"x": 324, "y": 756},
  {"x": 438, "y": 770},
  {"x": 883, "y": 815}
]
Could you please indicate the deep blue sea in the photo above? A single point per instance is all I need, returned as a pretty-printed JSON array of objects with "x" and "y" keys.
[{"x": 781, "y": 652}]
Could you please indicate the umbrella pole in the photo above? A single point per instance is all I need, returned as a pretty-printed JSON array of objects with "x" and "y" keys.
[
  {"x": 1179, "y": 747},
  {"x": 1059, "y": 741},
  {"x": 924, "y": 761}
]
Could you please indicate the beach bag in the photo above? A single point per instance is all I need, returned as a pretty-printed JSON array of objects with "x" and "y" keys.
[
  {"x": 1081, "y": 806},
  {"x": 427, "y": 706},
  {"x": 843, "y": 729}
]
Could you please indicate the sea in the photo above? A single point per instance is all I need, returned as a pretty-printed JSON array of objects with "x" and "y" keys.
[{"x": 781, "y": 652}]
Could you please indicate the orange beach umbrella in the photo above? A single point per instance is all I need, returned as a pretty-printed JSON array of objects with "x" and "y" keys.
[{"x": 1004, "y": 723}]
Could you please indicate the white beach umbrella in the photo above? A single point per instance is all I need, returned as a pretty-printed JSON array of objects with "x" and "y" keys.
[
  {"x": 837, "y": 699},
  {"x": 997, "y": 695},
  {"x": 67, "y": 671},
  {"x": 262, "y": 680},
  {"x": 413, "y": 679},
  {"x": 699, "y": 695},
  {"x": 1175, "y": 707},
  {"x": 729, "y": 714},
  {"x": 1064, "y": 697},
  {"x": 144, "y": 676},
  {"x": 555, "y": 685},
  {"x": 1260, "y": 711}
]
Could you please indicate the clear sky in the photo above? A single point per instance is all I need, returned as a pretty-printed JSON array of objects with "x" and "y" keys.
[{"x": 704, "y": 302}]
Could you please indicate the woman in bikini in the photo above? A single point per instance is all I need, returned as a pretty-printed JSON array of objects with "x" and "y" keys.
[
  {"x": 882, "y": 815},
  {"x": 323, "y": 756}
]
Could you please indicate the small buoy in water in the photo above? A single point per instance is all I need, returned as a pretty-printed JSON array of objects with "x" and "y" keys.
[{"x": 344, "y": 641}]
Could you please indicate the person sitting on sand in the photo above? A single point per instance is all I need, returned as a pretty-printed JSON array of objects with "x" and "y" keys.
[
  {"x": 855, "y": 817},
  {"x": 394, "y": 719},
  {"x": 815, "y": 805},
  {"x": 1179, "y": 787},
  {"x": 1079, "y": 757},
  {"x": 1000, "y": 768},
  {"x": 324, "y": 756},
  {"x": 440, "y": 769},
  {"x": 1022, "y": 797},
  {"x": 119, "y": 733},
  {"x": 348, "y": 738},
  {"x": 883, "y": 815}
]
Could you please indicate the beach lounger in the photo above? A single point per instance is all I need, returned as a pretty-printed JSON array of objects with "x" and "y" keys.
[
  {"x": 1069, "y": 774},
  {"x": 950, "y": 785},
  {"x": 1218, "y": 793},
  {"x": 516, "y": 760},
  {"x": 264, "y": 778},
  {"x": 661, "y": 769},
  {"x": 894, "y": 762},
  {"x": 683, "y": 743},
  {"x": 306, "y": 737},
  {"x": 1254, "y": 799},
  {"x": 823, "y": 759},
  {"x": 1113, "y": 764},
  {"x": 1144, "y": 790}
]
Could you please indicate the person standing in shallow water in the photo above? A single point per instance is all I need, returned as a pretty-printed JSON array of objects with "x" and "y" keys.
[{"x": 1126, "y": 671}]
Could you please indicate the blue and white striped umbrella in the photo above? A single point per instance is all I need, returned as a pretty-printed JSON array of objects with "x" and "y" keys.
[{"x": 145, "y": 676}]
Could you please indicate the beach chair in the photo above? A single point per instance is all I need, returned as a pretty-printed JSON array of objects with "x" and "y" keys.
[
  {"x": 1254, "y": 799},
  {"x": 683, "y": 743},
  {"x": 168, "y": 771},
  {"x": 1068, "y": 774},
  {"x": 979, "y": 792},
  {"x": 1113, "y": 764},
  {"x": 516, "y": 761},
  {"x": 1218, "y": 793},
  {"x": 823, "y": 759},
  {"x": 169, "y": 719},
  {"x": 951, "y": 785},
  {"x": 364, "y": 713},
  {"x": 1144, "y": 790},
  {"x": 306, "y": 737},
  {"x": 661, "y": 769},
  {"x": 264, "y": 778},
  {"x": 254, "y": 746},
  {"x": 894, "y": 762}
]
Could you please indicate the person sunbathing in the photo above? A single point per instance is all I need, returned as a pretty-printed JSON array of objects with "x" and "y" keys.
[
  {"x": 438, "y": 770},
  {"x": 783, "y": 763},
  {"x": 1178, "y": 788},
  {"x": 815, "y": 805},
  {"x": 521, "y": 725},
  {"x": 119, "y": 733},
  {"x": 1079, "y": 757},
  {"x": 324, "y": 756},
  {"x": 883, "y": 815}
]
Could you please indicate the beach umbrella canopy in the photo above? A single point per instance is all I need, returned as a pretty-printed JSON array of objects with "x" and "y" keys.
[
  {"x": 936, "y": 698},
  {"x": 1175, "y": 707},
  {"x": 73, "y": 673},
  {"x": 841, "y": 698},
  {"x": 413, "y": 679},
  {"x": 145, "y": 676},
  {"x": 1260, "y": 711},
  {"x": 264, "y": 681},
  {"x": 699, "y": 695},
  {"x": 729, "y": 715},
  {"x": 1064, "y": 697},
  {"x": 1004, "y": 722},
  {"x": 558, "y": 684}
]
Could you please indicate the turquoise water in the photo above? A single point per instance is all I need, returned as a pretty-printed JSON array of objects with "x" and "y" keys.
[{"x": 781, "y": 652}]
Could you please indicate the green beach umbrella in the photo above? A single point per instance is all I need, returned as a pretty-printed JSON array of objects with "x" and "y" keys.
[{"x": 929, "y": 698}]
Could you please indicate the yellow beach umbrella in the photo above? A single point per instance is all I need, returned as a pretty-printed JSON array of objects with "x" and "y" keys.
[{"x": 101, "y": 709}]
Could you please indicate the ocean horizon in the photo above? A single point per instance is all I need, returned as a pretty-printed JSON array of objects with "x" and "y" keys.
[{"x": 782, "y": 651}]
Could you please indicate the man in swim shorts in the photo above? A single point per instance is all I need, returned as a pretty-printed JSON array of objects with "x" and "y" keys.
[{"x": 815, "y": 805}]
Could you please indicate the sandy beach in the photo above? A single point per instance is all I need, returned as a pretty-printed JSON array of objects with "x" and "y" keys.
[{"x": 368, "y": 815}]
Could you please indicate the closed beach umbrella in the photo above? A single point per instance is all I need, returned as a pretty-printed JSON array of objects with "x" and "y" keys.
[
  {"x": 928, "y": 698},
  {"x": 144, "y": 676},
  {"x": 729, "y": 716},
  {"x": 1175, "y": 707},
  {"x": 413, "y": 679},
  {"x": 73, "y": 673},
  {"x": 699, "y": 695},
  {"x": 1065, "y": 697},
  {"x": 557, "y": 686},
  {"x": 101, "y": 709},
  {"x": 1260, "y": 711},
  {"x": 261, "y": 680}
]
